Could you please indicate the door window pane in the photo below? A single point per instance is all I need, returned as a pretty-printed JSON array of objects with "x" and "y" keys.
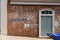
[{"x": 46, "y": 12}]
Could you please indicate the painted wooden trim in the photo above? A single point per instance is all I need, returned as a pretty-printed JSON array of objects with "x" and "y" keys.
[
  {"x": 53, "y": 21},
  {"x": 34, "y": 3},
  {"x": 3, "y": 17},
  {"x": 39, "y": 24},
  {"x": 46, "y": 14},
  {"x": 53, "y": 15}
]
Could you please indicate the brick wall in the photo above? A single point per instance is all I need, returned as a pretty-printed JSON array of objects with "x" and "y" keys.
[{"x": 27, "y": 15}]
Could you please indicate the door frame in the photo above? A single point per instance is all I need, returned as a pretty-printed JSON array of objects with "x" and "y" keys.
[{"x": 53, "y": 16}]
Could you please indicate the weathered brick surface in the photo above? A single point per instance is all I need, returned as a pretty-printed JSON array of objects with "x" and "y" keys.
[{"x": 29, "y": 15}]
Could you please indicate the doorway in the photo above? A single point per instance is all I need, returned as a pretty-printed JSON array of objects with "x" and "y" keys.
[{"x": 46, "y": 22}]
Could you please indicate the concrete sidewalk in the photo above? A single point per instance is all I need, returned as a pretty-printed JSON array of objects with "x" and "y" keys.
[{"x": 2, "y": 37}]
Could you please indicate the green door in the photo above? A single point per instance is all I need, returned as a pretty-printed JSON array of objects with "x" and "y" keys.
[{"x": 46, "y": 25}]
